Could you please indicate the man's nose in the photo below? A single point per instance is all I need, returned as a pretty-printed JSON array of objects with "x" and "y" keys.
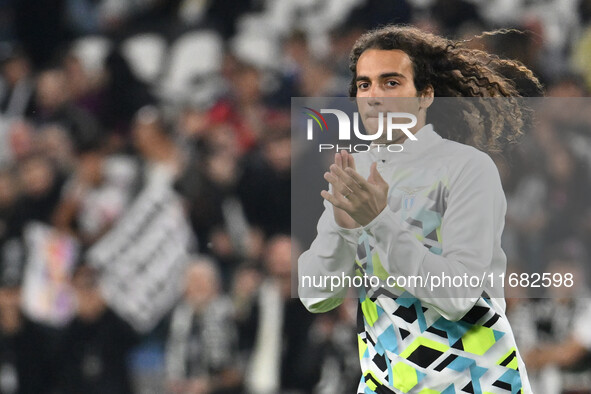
[
  {"x": 374, "y": 101},
  {"x": 374, "y": 95}
]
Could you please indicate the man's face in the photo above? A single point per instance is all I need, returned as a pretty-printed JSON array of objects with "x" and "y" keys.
[{"x": 382, "y": 74}]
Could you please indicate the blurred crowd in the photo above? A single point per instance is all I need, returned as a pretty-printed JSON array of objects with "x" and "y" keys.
[{"x": 98, "y": 97}]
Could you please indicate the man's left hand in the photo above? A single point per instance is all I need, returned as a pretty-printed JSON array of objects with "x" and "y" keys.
[{"x": 365, "y": 198}]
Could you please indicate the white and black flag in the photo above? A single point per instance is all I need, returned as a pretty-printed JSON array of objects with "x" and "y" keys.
[{"x": 143, "y": 258}]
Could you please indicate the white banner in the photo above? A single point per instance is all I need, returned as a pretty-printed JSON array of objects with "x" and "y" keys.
[
  {"x": 47, "y": 295},
  {"x": 143, "y": 258}
]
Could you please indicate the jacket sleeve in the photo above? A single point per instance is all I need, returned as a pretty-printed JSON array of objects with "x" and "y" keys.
[
  {"x": 330, "y": 257},
  {"x": 470, "y": 233}
]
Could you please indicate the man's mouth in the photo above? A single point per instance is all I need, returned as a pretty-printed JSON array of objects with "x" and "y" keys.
[{"x": 372, "y": 115}]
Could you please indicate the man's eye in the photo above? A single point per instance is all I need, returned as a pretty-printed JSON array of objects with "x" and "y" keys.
[
  {"x": 392, "y": 83},
  {"x": 363, "y": 85}
]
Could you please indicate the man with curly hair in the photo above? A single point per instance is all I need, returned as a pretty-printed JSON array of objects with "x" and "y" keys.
[{"x": 437, "y": 208}]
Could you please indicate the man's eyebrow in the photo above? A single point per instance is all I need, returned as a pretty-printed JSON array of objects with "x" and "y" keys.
[
  {"x": 392, "y": 74},
  {"x": 381, "y": 76}
]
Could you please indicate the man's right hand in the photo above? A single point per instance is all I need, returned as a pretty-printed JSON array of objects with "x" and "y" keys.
[{"x": 342, "y": 218}]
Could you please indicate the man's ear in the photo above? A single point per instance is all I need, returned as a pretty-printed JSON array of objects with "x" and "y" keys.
[{"x": 426, "y": 97}]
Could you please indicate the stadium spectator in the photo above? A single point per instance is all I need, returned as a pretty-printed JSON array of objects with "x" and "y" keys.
[
  {"x": 560, "y": 341},
  {"x": 8, "y": 200},
  {"x": 202, "y": 348},
  {"x": 94, "y": 197},
  {"x": 243, "y": 110},
  {"x": 16, "y": 90},
  {"x": 53, "y": 105},
  {"x": 265, "y": 170},
  {"x": 20, "y": 139},
  {"x": 334, "y": 333},
  {"x": 284, "y": 357},
  {"x": 26, "y": 364},
  {"x": 95, "y": 344},
  {"x": 55, "y": 143},
  {"x": 41, "y": 185},
  {"x": 86, "y": 84},
  {"x": 161, "y": 158}
]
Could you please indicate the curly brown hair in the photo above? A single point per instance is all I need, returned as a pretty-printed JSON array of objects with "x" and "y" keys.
[{"x": 454, "y": 70}]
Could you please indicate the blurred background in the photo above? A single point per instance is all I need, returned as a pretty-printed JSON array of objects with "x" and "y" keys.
[{"x": 145, "y": 190}]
